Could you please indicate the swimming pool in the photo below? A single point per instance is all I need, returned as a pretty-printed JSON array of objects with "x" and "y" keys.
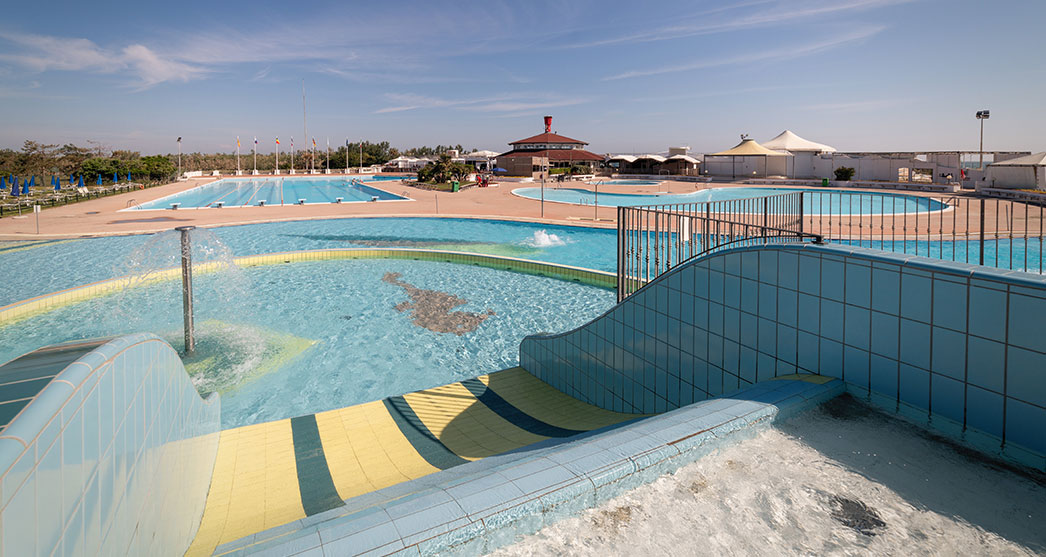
[
  {"x": 815, "y": 202},
  {"x": 244, "y": 192},
  {"x": 627, "y": 182},
  {"x": 314, "y": 336}
]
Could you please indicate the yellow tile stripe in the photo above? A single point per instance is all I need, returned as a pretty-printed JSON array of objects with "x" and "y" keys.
[
  {"x": 254, "y": 486},
  {"x": 543, "y": 401},
  {"x": 365, "y": 450},
  {"x": 465, "y": 425}
]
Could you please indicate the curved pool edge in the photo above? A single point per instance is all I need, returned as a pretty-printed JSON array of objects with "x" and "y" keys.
[
  {"x": 947, "y": 208},
  {"x": 25, "y": 309}
]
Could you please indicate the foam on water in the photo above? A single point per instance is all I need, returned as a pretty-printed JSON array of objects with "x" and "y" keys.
[
  {"x": 838, "y": 480},
  {"x": 543, "y": 239}
]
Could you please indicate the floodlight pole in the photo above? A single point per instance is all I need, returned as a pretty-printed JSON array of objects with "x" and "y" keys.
[
  {"x": 187, "y": 306},
  {"x": 982, "y": 115},
  {"x": 179, "y": 157}
]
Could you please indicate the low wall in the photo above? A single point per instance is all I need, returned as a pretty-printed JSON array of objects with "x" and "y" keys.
[
  {"x": 956, "y": 344},
  {"x": 113, "y": 457}
]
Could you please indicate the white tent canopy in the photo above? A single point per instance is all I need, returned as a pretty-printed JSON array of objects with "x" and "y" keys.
[
  {"x": 1027, "y": 172},
  {"x": 686, "y": 158},
  {"x": 788, "y": 141},
  {"x": 1038, "y": 159}
]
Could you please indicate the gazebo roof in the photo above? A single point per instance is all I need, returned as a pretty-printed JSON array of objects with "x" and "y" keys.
[
  {"x": 788, "y": 141},
  {"x": 748, "y": 147}
]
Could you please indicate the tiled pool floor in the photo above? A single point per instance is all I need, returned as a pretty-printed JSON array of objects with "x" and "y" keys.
[{"x": 273, "y": 473}]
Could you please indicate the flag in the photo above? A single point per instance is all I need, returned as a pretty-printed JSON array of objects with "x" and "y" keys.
[
  {"x": 277, "y": 141},
  {"x": 179, "y": 139},
  {"x": 255, "y": 140},
  {"x": 237, "y": 142},
  {"x": 314, "y": 143}
]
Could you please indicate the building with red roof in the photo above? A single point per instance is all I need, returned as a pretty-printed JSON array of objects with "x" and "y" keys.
[{"x": 533, "y": 155}]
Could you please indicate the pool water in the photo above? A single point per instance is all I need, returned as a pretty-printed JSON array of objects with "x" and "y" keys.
[
  {"x": 628, "y": 182},
  {"x": 29, "y": 269},
  {"x": 242, "y": 192},
  {"x": 815, "y": 202},
  {"x": 339, "y": 339},
  {"x": 855, "y": 482}
]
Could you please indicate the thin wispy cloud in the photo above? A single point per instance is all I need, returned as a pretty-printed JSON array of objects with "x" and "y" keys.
[
  {"x": 782, "y": 13},
  {"x": 514, "y": 103},
  {"x": 42, "y": 53},
  {"x": 763, "y": 56}
]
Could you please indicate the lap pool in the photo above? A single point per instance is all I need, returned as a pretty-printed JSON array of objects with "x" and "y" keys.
[
  {"x": 245, "y": 192},
  {"x": 815, "y": 202}
]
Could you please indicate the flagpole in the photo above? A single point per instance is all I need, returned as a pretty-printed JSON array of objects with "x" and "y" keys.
[
  {"x": 255, "y": 154},
  {"x": 179, "y": 157},
  {"x": 304, "y": 120},
  {"x": 277, "y": 155},
  {"x": 328, "y": 155},
  {"x": 237, "y": 155},
  {"x": 292, "y": 154},
  {"x": 346, "y": 155}
]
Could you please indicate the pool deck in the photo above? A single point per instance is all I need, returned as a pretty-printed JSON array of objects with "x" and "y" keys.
[
  {"x": 104, "y": 216},
  {"x": 270, "y": 474}
]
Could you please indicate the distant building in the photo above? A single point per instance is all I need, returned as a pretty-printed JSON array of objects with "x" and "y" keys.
[
  {"x": 677, "y": 163},
  {"x": 534, "y": 155}
]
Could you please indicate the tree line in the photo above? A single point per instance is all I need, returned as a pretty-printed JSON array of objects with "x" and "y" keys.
[{"x": 95, "y": 160}]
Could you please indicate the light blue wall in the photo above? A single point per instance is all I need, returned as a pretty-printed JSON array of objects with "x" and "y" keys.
[
  {"x": 959, "y": 345},
  {"x": 114, "y": 457}
]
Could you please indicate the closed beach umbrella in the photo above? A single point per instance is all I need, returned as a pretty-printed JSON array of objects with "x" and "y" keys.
[
  {"x": 116, "y": 177},
  {"x": 3, "y": 186},
  {"x": 25, "y": 188},
  {"x": 71, "y": 180},
  {"x": 14, "y": 187},
  {"x": 32, "y": 180},
  {"x": 57, "y": 184},
  {"x": 81, "y": 184},
  {"x": 128, "y": 175},
  {"x": 99, "y": 179}
]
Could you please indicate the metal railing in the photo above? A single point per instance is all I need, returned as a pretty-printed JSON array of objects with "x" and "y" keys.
[
  {"x": 1002, "y": 233},
  {"x": 655, "y": 239}
]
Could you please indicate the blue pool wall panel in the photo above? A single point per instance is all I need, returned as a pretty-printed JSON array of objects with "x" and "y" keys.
[
  {"x": 957, "y": 345},
  {"x": 113, "y": 457}
]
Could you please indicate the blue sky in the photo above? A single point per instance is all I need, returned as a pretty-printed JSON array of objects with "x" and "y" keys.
[{"x": 624, "y": 76}]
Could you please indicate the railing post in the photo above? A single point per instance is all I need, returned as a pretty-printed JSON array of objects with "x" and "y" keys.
[
  {"x": 801, "y": 212},
  {"x": 621, "y": 232},
  {"x": 981, "y": 233}
]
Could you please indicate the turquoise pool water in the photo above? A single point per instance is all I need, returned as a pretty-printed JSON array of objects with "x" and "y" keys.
[
  {"x": 243, "y": 192},
  {"x": 628, "y": 182},
  {"x": 31, "y": 271},
  {"x": 358, "y": 346},
  {"x": 27, "y": 271},
  {"x": 814, "y": 202}
]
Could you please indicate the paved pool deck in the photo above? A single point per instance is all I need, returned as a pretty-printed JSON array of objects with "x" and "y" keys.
[{"x": 105, "y": 216}]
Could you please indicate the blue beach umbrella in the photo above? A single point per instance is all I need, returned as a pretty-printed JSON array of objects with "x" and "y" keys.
[
  {"x": 499, "y": 169},
  {"x": 57, "y": 184},
  {"x": 3, "y": 186},
  {"x": 81, "y": 184},
  {"x": 128, "y": 175},
  {"x": 116, "y": 177},
  {"x": 25, "y": 188},
  {"x": 14, "y": 187},
  {"x": 71, "y": 180},
  {"x": 32, "y": 181},
  {"x": 99, "y": 179}
]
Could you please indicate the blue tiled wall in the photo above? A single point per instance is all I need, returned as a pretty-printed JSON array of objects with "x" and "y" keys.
[
  {"x": 957, "y": 344},
  {"x": 114, "y": 457}
]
